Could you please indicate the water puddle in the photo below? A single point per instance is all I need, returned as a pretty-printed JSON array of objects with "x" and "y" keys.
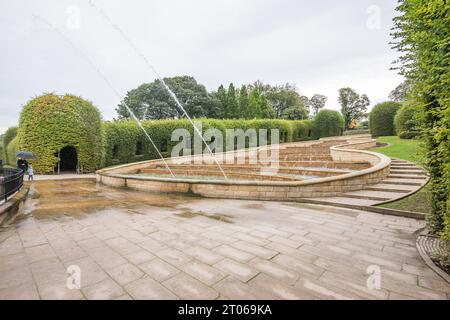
[
  {"x": 186, "y": 213},
  {"x": 75, "y": 198}
]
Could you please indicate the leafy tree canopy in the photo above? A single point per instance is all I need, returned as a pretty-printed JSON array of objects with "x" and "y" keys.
[
  {"x": 282, "y": 98},
  {"x": 400, "y": 93},
  {"x": 353, "y": 105},
  {"x": 153, "y": 101},
  {"x": 318, "y": 101}
]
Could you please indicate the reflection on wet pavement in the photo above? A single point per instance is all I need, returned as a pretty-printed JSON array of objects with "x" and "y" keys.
[
  {"x": 79, "y": 197},
  {"x": 137, "y": 245}
]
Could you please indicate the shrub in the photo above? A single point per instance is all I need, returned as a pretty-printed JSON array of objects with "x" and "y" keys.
[
  {"x": 50, "y": 122},
  {"x": 8, "y": 136},
  {"x": 405, "y": 121},
  {"x": 381, "y": 120},
  {"x": 327, "y": 123},
  {"x": 284, "y": 127},
  {"x": 11, "y": 150},
  {"x": 302, "y": 130},
  {"x": 123, "y": 137}
]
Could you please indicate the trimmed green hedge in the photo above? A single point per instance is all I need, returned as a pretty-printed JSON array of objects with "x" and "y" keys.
[
  {"x": 405, "y": 121},
  {"x": 7, "y": 137},
  {"x": 50, "y": 122},
  {"x": 126, "y": 142},
  {"x": 328, "y": 123},
  {"x": 302, "y": 130},
  {"x": 11, "y": 150},
  {"x": 381, "y": 119}
]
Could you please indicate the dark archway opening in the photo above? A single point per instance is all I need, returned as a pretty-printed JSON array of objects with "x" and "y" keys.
[
  {"x": 115, "y": 152},
  {"x": 68, "y": 160},
  {"x": 139, "y": 148}
]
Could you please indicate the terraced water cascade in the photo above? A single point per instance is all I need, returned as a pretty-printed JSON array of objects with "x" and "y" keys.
[{"x": 321, "y": 168}]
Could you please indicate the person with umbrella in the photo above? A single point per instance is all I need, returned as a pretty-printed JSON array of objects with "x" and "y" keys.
[{"x": 22, "y": 162}]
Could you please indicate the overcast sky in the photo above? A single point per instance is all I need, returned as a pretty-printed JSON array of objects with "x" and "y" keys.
[{"x": 320, "y": 46}]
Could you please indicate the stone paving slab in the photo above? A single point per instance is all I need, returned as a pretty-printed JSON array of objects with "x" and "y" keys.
[
  {"x": 146, "y": 246},
  {"x": 376, "y": 194},
  {"x": 345, "y": 200}
]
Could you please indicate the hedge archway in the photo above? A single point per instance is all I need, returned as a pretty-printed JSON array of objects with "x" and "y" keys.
[{"x": 50, "y": 123}]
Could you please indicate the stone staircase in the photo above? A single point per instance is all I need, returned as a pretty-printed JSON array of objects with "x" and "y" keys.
[{"x": 405, "y": 178}]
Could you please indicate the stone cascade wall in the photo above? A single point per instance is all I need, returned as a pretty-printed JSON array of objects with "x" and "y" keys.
[{"x": 339, "y": 149}]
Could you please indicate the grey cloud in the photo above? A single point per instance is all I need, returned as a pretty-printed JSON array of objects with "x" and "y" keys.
[{"x": 318, "y": 45}]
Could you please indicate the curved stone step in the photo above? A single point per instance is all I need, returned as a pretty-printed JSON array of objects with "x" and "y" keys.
[
  {"x": 390, "y": 188},
  {"x": 401, "y": 182},
  {"x": 407, "y": 176},
  {"x": 398, "y": 184},
  {"x": 412, "y": 172}
]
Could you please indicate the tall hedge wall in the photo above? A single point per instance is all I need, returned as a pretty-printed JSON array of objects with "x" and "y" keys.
[
  {"x": 327, "y": 123},
  {"x": 50, "y": 122},
  {"x": 406, "y": 122},
  {"x": 381, "y": 119},
  {"x": 126, "y": 142}
]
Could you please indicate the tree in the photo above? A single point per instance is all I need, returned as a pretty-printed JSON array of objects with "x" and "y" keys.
[
  {"x": 254, "y": 104},
  {"x": 266, "y": 110},
  {"x": 400, "y": 93},
  {"x": 421, "y": 33},
  {"x": 295, "y": 113},
  {"x": 222, "y": 97},
  {"x": 214, "y": 107},
  {"x": 282, "y": 97},
  {"x": 243, "y": 103},
  {"x": 153, "y": 101},
  {"x": 232, "y": 109},
  {"x": 317, "y": 102},
  {"x": 353, "y": 105},
  {"x": 306, "y": 102}
]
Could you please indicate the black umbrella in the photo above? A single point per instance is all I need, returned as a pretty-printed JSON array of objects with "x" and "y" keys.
[{"x": 28, "y": 155}]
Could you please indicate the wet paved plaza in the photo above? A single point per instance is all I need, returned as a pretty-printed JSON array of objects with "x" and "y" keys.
[{"x": 133, "y": 245}]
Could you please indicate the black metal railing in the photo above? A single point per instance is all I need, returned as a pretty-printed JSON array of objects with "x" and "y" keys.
[{"x": 11, "y": 180}]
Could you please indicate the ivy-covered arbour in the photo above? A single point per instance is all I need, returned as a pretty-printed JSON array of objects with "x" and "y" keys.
[{"x": 50, "y": 122}]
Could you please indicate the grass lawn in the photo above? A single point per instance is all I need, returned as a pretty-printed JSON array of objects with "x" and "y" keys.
[
  {"x": 418, "y": 202},
  {"x": 407, "y": 150}
]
